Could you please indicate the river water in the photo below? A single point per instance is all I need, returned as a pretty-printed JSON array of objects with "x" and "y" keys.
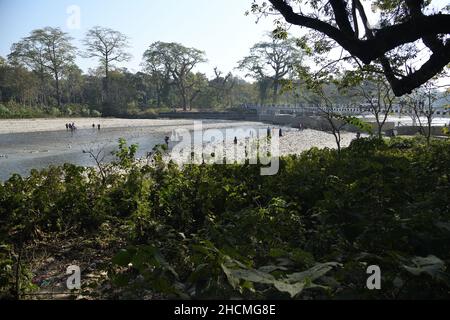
[{"x": 37, "y": 149}]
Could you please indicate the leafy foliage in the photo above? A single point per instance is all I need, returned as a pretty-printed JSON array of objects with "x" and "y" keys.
[{"x": 226, "y": 232}]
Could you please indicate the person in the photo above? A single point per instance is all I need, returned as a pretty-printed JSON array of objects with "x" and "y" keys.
[
  {"x": 67, "y": 126},
  {"x": 235, "y": 140},
  {"x": 281, "y": 132},
  {"x": 166, "y": 139},
  {"x": 93, "y": 126},
  {"x": 70, "y": 127},
  {"x": 98, "y": 127},
  {"x": 358, "y": 135},
  {"x": 269, "y": 132}
]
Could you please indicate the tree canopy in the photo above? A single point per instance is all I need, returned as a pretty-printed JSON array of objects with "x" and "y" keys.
[
  {"x": 46, "y": 50},
  {"x": 389, "y": 46},
  {"x": 272, "y": 60},
  {"x": 177, "y": 61}
]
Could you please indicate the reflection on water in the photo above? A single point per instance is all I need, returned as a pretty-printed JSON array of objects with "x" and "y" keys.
[{"x": 21, "y": 152}]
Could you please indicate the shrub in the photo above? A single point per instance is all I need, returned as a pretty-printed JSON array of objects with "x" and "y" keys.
[
  {"x": 4, "y": 111},
  {"x": 227, "y": 232}
]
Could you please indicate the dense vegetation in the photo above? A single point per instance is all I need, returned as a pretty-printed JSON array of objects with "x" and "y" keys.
[{"x": 226, "y": 232}]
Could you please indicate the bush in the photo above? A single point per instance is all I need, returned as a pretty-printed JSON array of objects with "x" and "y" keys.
[
  {"x": 95, "y": 114},
  {"x": 227, "y": 232},
  {"x": 16, "y": 110},
  {"x": 4, "y": 111}
]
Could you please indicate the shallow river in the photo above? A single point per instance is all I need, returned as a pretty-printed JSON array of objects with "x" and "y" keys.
[{"x": 24, "y": 149}]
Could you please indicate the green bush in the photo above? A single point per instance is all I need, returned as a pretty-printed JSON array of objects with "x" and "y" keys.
[
  {"x": 4, "y": 111},
  {"x": 226, "y": 232},
  {"x": 15, "y": 110},
  {"x": 95, "y": 114}
]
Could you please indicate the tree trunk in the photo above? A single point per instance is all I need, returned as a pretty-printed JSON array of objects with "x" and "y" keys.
[
  {"x": 58, "y": 94},
  {"x": 275, "y": 92},
  {"x": 184, "y": 98},
  {"x": 107, "y": 99}
]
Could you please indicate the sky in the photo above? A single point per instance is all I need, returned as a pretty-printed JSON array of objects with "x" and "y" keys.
[{"x": 218, "y": 27}]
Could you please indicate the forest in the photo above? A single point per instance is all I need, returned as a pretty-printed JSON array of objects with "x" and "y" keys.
[{"x": 39, "y": 77}]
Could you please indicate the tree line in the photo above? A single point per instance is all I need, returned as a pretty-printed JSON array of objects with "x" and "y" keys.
[
  {"x": 40, "y": 77},
  {"x": 40, "y": 73}
]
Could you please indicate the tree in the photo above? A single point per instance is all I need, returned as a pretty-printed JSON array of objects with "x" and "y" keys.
[
  {"x": 178, "y": 61},
  {"x": 108, "y": 46},
  {"x": 222, "y": 87},
  {"x": 154, "y": 65},
  {"x": 377, "y": 95},
  {"x": 31, "y": 52},
  {"x": 47, "y": 49},
  {"x": 18, "y": 84},
  {"x": 73, "y": 85},
  {"x": 271, "y": 60},
  {"x": 421, "y": 104},
  {"x": 391, "y": 44}
]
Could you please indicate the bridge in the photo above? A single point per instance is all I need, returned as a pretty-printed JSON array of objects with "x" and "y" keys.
[{"x": 312, "y": 110}]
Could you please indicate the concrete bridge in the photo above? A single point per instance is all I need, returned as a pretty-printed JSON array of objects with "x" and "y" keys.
[{"x": 312, "y": 110}]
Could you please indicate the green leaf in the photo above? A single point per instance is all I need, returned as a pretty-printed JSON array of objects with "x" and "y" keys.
[
  {"x": 122, "y": 258},
  {"x": 430, "y": 265},
  {"x": 292, "y": 289},
  {"x": 314, "y": 273}
]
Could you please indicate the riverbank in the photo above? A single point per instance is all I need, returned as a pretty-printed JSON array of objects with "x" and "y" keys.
[{"x": 57, "y": 124}]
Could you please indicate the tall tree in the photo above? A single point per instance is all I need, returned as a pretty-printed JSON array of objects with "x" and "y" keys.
[
  {"x": 109, "y": 46},
  {"x": 402, "y": 28},
  {"x": 59, "y": 53},
  {"x": 45, "y": 51},
  {"x": 272, "y": 60},
  {"x": 178, "y": 61},
  {"x": 154, "y": 65}
]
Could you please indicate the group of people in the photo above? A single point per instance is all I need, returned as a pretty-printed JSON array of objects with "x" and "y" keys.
[{"x": 72, "y": 127}]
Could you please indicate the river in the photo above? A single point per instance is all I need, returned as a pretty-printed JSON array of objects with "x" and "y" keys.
[{"x": 38, "y": 143}]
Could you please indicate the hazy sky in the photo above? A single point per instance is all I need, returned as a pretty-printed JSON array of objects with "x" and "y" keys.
[{"x": 218, "y": 27}]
